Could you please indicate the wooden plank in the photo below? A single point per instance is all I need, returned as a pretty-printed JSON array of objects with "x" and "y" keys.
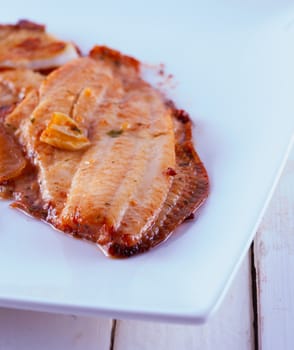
[
  {"x": 230, "y": 328},
  {"x": 39, "y": 330},
  {"x": 274, "y": 262}
]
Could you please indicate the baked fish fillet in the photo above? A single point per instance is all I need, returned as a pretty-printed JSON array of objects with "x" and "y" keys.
[
  {"x": 112, "y": 159},
  {"x": 27, "y": 45},
  {"x": 123, "y": 172}
]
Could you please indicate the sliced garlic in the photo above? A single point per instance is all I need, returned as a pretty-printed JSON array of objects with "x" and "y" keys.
[{"x": 64, "y": 133}]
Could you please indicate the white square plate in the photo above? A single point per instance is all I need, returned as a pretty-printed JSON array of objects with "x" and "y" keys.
[{"x": 233, "y": 62}]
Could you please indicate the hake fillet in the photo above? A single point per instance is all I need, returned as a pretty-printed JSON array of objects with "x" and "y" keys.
[
  {"x": 121, "y": 180},
  {"x": 27, "y": 45},
  {"x": 136, "y": 179}
]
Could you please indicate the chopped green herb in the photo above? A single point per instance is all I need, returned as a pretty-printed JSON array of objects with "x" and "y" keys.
[{"x": 114, "y": 133}]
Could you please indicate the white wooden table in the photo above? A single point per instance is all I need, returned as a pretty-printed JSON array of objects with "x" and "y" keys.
[{"x": 257, "y": 313}]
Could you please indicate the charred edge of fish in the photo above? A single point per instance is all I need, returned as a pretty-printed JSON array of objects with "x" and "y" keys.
[
  {"x": 25, "y": 25},
  {"x": 180, "y": 114},
  {"x": 115, "y": 57}
]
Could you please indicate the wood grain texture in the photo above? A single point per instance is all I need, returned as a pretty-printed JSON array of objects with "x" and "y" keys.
[
  {"x": 27, "y": 330},
  {"x": 229, "y": 328},
  {"x": 274, "y": 262}
]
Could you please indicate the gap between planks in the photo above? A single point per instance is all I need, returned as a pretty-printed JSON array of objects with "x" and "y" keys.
[
  {"x": 254, "y": 299},
  {"x": 274, "y": 265},
  {"x": 112, "y": 334},
  {"x": 229, "y": 328}
]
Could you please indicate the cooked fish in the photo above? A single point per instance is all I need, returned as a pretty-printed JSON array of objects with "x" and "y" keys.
[
  {"x": 112, "y": 159},
  {"x": 12, "y": 161},
  {"x": 27, "y": 45},
  {"x": 14, "y": 85},
  {"x": 188, "y": 192}
]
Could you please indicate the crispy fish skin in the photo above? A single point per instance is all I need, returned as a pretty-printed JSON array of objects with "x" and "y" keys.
[{"x": 27, "y": 45}]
